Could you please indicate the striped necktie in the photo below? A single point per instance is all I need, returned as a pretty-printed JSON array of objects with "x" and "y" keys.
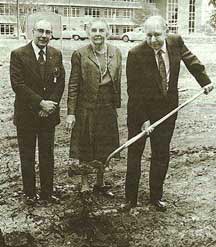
[
  {"x": 162, "y": 70},
  {"x": 41, "y": 63}
]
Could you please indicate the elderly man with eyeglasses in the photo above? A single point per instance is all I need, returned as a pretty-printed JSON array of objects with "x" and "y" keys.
[{"x": 38, "y": 79}]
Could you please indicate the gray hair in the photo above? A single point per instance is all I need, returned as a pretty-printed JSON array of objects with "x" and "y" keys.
[
  {"x": 89, "y": 25},
  {"x": 157, "y": 19},
  {"x": 43, "y": 21}
]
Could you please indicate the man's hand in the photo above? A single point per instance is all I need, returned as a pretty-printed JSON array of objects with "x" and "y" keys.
[
  {"x": 70, "y": 122},
  {"x": 48, "y": 106},
  {"x": 146, "y": 127},
  {"x": 208, "y": 88},
  {"x": 43, "y": 114}
]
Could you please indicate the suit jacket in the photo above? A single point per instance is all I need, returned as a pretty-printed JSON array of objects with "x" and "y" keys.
[
  {"x": 30, "y": 88},
  {"x": 146, "y": 101},
  {"x": 85, "y": 78}
]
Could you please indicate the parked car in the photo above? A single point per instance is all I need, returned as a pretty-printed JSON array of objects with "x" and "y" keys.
[
  {"x": 114, "y": 37},
  {"x": 136, "y": 35},
  {"x": 75, "y": 34}
]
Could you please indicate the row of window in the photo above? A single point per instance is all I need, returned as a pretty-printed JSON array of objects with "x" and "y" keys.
[
  {"x": 172, "y": 15},
  {"x": 146, "y": 1},
  {"x": 172, "y": 12},
  {"x": 6, "y": 29},
  {"x": 98, "y": 12},
  {"x": 6, "y": 9}
]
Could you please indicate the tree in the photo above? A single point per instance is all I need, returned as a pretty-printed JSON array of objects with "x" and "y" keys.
[
  {"x": 144, "y": 12},
  {"x": 212, "y": 20},
  {"x": 213, "y": 2}
]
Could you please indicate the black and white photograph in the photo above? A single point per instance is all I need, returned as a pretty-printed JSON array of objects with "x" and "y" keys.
[{"x": 107, "y": 123}]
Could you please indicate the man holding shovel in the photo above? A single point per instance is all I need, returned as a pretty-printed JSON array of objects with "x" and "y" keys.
[{"x": 152, "y": 84}]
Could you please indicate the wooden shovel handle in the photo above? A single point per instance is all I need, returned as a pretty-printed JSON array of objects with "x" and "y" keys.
[{"x": 155, "y": 124}]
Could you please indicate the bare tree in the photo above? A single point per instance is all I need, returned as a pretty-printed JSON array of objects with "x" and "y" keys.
[
  {"x": 213, "y": 15},
  {"x": 146, "y": 10}
]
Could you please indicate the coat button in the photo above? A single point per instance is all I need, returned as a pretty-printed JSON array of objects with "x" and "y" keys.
[{"x": 44, "y": 89}]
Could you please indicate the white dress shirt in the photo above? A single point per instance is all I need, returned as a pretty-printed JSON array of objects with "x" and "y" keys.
[{"x": 37, "y": 50}]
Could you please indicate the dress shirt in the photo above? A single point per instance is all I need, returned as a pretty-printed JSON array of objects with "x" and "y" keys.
[{"x": 37, "y": 50}]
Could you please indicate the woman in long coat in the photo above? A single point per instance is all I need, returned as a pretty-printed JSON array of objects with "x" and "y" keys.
[{"x": 94, "y": 93}]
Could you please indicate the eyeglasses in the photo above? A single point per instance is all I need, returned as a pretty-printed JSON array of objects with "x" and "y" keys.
[
  {"x": 100, "y": 30},
  {"x": 42, "y": 31}
]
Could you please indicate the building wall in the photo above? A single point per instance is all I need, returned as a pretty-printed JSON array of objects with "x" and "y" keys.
[
  {"x": 118, "y": 13},
  {"x": 187, "y": 23}
]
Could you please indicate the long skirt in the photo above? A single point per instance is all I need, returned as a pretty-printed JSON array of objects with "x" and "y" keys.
[{"x": 95, "y": 134}]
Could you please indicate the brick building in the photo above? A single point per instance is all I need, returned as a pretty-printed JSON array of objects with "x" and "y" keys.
[{"x": 182, "y": 16}]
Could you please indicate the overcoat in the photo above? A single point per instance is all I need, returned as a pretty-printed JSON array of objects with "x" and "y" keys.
[{"x": 83, "y": 90}]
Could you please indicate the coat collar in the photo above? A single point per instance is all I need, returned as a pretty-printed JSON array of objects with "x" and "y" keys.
[
  {"x": 110, "y": 54},
  {"x": 32, "y": 63}
]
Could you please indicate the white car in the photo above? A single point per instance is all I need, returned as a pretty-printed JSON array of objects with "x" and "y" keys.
[
  {"x": 75, "y": 34},
  {"x": 137, "y": 35}
]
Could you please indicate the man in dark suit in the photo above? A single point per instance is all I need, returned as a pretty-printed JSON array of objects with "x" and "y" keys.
[
  {"x": 38, "y": 79},
  {"x": 152, "y": 84}
]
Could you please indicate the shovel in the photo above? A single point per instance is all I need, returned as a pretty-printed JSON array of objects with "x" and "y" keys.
[{"x": 155, "y": 124}]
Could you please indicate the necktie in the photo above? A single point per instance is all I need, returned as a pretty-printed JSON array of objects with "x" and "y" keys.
[
  {"x": 41, "y": 63},
  {"x": 162, "y": 70}
]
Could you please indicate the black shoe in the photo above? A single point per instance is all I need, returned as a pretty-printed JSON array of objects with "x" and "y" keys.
[
  {"x": 30, "y": 200},
  {"x": 128, "y": 206},
  {"x": 104, "y": 190},
  {"x": 159, "y": 205},
  {"x": 49, "y": 199}
]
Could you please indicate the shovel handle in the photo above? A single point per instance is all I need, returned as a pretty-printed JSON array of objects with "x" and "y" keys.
[{"x": 155, "y": 124}]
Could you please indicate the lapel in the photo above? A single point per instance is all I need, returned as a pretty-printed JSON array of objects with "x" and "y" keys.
[
  {"x": 110, "y": 54},
  {"x": 31, "y": 61},
  {"x": 171, "y": 61},
  {"x": 91, "y": 55},
  {"x": 111, "y": 57},
  {"x": 49, "y": 60},
  {"x": 152, "y": 65},
  {"x": 93, "y": 58}
]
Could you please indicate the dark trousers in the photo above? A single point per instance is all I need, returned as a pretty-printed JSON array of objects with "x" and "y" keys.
[
  {"x": 27, "y": 145},
  {"x": 160, "y": 140}
]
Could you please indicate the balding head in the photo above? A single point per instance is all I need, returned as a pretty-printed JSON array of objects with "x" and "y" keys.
[
  {"x": 157, "y": 21},
  {"x": 156, "y": 31},
  {"x": 42, "y": 33}
]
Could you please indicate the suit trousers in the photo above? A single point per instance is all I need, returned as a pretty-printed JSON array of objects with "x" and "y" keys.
[
  {"x": 160, "y": 140},
  {"x": 27, "y": 139}
]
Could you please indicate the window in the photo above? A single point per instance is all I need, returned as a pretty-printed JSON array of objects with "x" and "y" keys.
[
  {"x": 127, "y": 29},
  {"x": 94, "y": 12},
  {"x": 128, "y": 13},
  {"x": 5, "y": 9},
  {"x": 71, "y": 11},
  {"x": 24, "y": 9},
  {"x": 114, "y": 29},
  {"x": 55, "y": 9},
  {"x": 192, "y": 16},
  {"x": 150, "y": 1},
  {"x": 124, "y": 0},
  {"x": 111, "y": 13},
  {"x": 172, "y": 15},
  {"x": 6, "y": 29}
]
